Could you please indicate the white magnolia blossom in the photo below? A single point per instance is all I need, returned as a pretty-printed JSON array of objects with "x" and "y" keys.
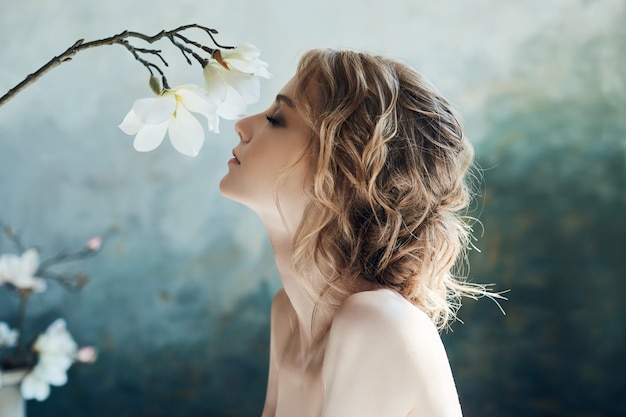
[
  {"x": 8, "y": 337},
  {"x": 231, "y": 78},
  {"x": 57, "y": 351},
  {"x": 19, "y": 271},
  {"x": 170, "y": 112}
]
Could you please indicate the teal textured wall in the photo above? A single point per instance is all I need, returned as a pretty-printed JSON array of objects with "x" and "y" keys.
[{"x": 179, "y": 299}]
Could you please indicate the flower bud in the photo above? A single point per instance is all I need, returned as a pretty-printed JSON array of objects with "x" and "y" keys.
[
  {"x": 87, "y": 354},
  {"x": 94, "y": 243},
  {"x": 155, "y": 85}
]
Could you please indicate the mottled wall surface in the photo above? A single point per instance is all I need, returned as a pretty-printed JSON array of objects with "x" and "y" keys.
[
  {"x": 554, "y": 167},
  {"x": 179, "y": 299}
]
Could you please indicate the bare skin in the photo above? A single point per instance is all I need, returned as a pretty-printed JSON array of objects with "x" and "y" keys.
[{"x": 382, "y": 355}]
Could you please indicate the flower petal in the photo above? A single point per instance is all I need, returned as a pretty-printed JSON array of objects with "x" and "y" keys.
[
  {"x": 248, "y": 86},
  {"x": 216, "y": 87},
  {"x": 30, "y": 262},
  {"x": 245, "y": 59},
  {"x": 38, "y": 285},
  {"x": 33, "y": 387},
  {"x": 5, "y": 271},
  {"x": 155, "y": 110},
  {"x": 244, "y": 51},
  {"x": 197, "y": 102},
  {"x": 9, "y": 266},
  {"x": 186, "y": 133},
  {"x": 54, "y": 373},
  {"x": 8, "y": 337},
  {"x": 233, "y": 106},
  {"x": 263, "y": 72},
  {"x": 131, "y": 124},
  {"x": 214, "y": 123},
  {"x": 150, "y": 136},
  {"x": 242, "y": 66}
]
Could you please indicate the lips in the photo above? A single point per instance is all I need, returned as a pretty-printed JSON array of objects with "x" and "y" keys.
[{"x": 235, "y": 159}]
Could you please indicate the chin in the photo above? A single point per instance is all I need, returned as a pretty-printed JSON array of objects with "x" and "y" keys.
[
  {"x": 228, "y": 190},
  {"x": 225, "y": 189}
]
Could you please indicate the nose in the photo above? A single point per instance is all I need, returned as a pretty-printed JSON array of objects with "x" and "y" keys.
[{"x": 243, "y": 127}]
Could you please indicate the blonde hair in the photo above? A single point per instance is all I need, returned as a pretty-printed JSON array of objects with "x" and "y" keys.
[{"x": 389, "y": 164}]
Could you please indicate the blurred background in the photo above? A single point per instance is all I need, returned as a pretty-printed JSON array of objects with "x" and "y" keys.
[{"x": 179, "y": 297}]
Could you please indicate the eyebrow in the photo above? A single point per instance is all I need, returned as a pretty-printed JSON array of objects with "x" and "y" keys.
[{"x": 285, "y": 99}]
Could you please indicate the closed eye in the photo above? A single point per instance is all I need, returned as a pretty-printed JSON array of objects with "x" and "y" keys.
[{"x": 272, "y": 120}]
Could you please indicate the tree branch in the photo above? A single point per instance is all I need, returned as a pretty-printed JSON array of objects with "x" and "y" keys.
[{"x": 122, "y": 39}]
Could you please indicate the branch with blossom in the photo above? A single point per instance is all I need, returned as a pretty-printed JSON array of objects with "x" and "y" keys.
[
  {"x": 53, "y": 352},
  {"x": 231, "y": 83},
  {"x": 231, "y": 76}
]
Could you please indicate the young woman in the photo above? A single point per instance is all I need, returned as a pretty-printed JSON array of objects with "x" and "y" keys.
[{"x": 358, "y": 172}]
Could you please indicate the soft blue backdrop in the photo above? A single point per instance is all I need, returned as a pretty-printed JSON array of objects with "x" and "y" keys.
[{"x": 179, "y": 298}]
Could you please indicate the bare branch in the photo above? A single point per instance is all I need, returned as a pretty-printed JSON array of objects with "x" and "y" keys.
[
  {"x": 73, "y": 283},
  {"x": 122, "y": 39},
  {"x": 14, "y": 237},
  {"x": 64, "y": 257}
]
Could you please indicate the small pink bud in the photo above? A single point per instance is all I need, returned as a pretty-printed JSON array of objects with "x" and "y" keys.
[
  {"x": 87, "y": 354},
  {"x": 94, "y": 243}
]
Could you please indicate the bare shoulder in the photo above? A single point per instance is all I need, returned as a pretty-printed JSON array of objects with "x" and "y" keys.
[
  {"x": 390, "y": 325},
  {"x": 383, "y": 312},
  {"x": 384, "y": 353}
]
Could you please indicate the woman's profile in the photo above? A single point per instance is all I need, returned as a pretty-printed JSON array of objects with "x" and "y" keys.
[{"x": 358, "y": 170}]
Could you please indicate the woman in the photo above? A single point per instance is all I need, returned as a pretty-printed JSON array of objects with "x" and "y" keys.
[{"x": 358, "y": 172}]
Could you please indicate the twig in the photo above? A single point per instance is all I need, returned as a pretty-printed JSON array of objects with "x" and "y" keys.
[
  {"x": 14, "y": 237},
  {"x": 122, "y": 39},
  {"x": 72, "y": 283},
  {"x": 20, "y": 322},
  {"x": 64, "y": 257}
]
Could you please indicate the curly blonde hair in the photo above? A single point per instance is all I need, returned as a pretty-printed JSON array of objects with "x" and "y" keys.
[{"x": 389, "y": 164}]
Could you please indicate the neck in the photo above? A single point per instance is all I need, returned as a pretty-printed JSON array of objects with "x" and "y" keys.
[{"x": 281, "y": 235}]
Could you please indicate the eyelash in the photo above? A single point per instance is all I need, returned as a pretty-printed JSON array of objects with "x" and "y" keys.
[{"x": 272, "y": 120}]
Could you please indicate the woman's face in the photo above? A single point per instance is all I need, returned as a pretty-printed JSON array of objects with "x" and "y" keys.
[{"x": 269, "y": 142}]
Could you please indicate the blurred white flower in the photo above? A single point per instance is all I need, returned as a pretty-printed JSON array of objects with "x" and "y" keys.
[
  {"x": 19, "y": 271},
  {"x": 231, "y": 79},
  {"x": 57, "y": 351},
  {"x": 34, "y": 387},
  {"x": 170, "y": 112},
  {"x": 8, "y": 337}
]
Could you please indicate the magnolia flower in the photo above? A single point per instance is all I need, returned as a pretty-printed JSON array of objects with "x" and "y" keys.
[
  {"x": 8, "y": 337},
  {"x": 170, "y": 112},
  {"x": 19, "y": 271},
  {"x": 231, "y": 78},
  {"x": 57, "y": 351}
]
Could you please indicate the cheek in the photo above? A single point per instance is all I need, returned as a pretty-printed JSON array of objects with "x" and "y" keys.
[
  {"x": 255, "y": 179},
  {"x": 265, "y": 170}
]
